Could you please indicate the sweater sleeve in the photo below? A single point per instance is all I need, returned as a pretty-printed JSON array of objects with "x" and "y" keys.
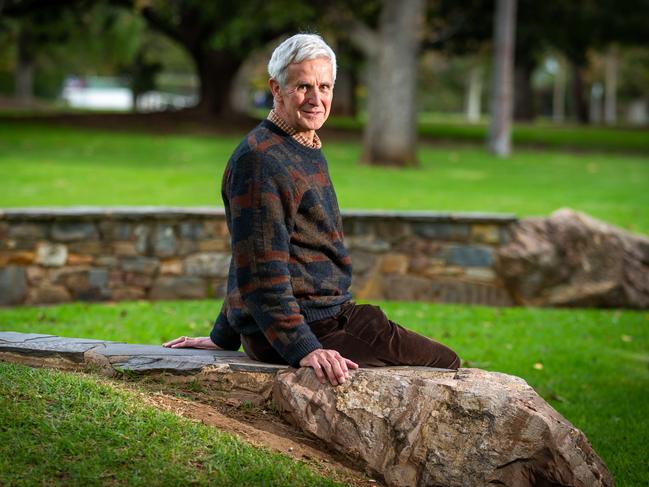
[
  {"x": 223, "y": 335},
  {"x": 263, "y": 203}
]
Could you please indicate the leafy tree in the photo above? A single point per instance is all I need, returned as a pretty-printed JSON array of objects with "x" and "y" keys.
[{"x": 219, "y": 36}]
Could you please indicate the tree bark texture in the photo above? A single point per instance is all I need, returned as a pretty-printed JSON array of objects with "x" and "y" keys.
[
  {"x": 24, "y": 76},
  {"x": 474, "y": 95},
  {"x": 579, "y": 104},
  {"x": 391, "y": 130},
  {"x": 216, "y": 71},
  {"x": 610, "y": 99},
  {"x": 559, "y": 94},
  {"x": 502, "y": 96}
]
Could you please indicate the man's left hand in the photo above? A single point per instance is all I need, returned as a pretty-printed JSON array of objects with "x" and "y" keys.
[{"x": 334, "y": 365}]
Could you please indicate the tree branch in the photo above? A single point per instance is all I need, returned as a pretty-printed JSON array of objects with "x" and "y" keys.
[{"x": 362, "y": 36}]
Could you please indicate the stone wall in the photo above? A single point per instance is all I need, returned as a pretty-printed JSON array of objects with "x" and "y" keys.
[{"x": 94, "y": 254}]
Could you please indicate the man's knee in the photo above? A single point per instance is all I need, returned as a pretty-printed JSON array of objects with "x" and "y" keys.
[{"x": 456, "y": 362}]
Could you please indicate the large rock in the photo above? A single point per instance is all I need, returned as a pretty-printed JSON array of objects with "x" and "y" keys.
[
  {"x": 421, "y": 426},
  {"x": 571, "y": 259}
]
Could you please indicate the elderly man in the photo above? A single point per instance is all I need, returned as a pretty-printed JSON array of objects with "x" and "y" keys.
[{"x": 288, "y": 298}]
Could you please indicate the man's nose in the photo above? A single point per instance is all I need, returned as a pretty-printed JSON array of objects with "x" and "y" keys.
[{"x": 314, "y": 96}]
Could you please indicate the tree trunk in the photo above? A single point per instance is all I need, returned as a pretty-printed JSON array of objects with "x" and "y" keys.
[
  {"x": 24, "y": 76},
  {"x": 474, "y": 95},
  {"x": 559, "y": 94},
  {"x": 595, "y": 110},
  {"x": 391, "y": 130},
  {"x": 499, "y": 137},
  {"x": 344, "y": 103},
  {"x": 579, "y": 104},
  {"x": 523, "y": 93},
  {"x": 610, "y": 100},
  {"x": 216, "y": 71}
]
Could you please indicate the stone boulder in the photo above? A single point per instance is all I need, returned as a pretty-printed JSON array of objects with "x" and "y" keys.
[
  {"x": 571, "y": 259},
  {"x": 432, "y": 427}
]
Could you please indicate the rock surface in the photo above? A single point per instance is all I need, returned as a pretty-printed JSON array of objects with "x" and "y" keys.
[
  {"x": 414, "y": 426},
  {"x": 430, "y": 427},
  {"x": 571, "y": 259}
]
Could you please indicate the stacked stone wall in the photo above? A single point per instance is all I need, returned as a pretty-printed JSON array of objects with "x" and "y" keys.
[{"x": 101, "y": 254}]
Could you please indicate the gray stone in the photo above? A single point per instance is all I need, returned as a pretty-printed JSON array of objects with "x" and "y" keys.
[
  {"x": 127, "y": 293},
  {"x": 142, "y": 265},
  {"x": 164, "y": 241},
  {"x": 51, "y": 255},
  {"x": 71, "y": 231},
  {"x": 72, "y": 349},
  {"x": 363, "y": 261},
  {"x": 469, "y": 255},
  {"x": 186, "y": 247},
  {"x": 571, "y": 259},
  {"x": 142, "y": 233},
  {"x": 90, "y": 247},
  {"x": 192, "y": 230},
  {"x": 392, "y": 230},
  {"x": 13, "y": 285},
  {"x": 138, "y": 280},
  {"x": 418, "y": 426},
  {"x": 405, "y": 288},
  {"x": 119, "y": 349},
  {"x": 484, "y": 274},
  {"x": 368, "y": 243},
  {"x": 443, "y": 231},
  {"x": 28, "y": 231},
  {"x": 15, "y": 337},
  {"x": 48, "y": 294},
  {"x": 112, "y": 230},
  {"x": 107, "y": 261},
  {"x": 98, "y": 278},
  {"x": 138, "y": 359},
  {"x": 178, "y": 288},
  {"x": 208, "y": 264}
]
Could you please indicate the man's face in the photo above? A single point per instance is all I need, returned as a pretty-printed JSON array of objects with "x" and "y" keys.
[{"x": 305, "y": 101}]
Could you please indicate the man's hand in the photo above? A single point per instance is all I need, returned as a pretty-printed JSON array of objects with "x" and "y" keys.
[
  {"x": 335, "y": 366},
  {"x": 189, "y": 342}
]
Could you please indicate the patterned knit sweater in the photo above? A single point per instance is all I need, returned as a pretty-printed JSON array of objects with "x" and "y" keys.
[{"x": 289, "y": 263}]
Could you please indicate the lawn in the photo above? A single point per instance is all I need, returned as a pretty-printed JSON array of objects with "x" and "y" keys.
[
  {"x": 591, "y": 365},
  {"x": 67, "y": 429},
  {"x": 48, "y": 165}
]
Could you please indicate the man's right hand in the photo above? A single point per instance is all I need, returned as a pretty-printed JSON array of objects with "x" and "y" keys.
[
  {"x": 335, "y": 366},
  {"x": 189, "y": 342}
]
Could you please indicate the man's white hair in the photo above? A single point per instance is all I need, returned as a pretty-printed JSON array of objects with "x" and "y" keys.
[{"x": 295, "y": 49}]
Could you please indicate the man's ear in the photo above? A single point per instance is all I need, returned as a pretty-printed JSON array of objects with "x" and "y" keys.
[{"x": 275, "y": 89}]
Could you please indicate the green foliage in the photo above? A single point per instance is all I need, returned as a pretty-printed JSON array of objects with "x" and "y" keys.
[
  {"x": 67, "y": 429},
  {"x": 591, "y": 365}
]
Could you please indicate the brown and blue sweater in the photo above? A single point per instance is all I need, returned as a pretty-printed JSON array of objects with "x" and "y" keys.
[{"x": 289, "y": 263}]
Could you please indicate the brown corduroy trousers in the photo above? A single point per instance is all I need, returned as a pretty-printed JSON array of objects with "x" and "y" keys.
[{"x": 364, "y": 334}]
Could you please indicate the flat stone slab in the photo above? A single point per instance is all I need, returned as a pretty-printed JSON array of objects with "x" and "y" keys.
[
  {"x": 121, "y": 357},
  {"x": 48, "y": 345}
]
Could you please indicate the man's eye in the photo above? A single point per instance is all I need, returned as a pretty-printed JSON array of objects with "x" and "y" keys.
[{"x": 303, "y": 87}]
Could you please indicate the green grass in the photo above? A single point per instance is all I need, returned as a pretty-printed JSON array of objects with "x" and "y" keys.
[
  {"x": 54, "y": 166},
  {"x": 66, "y": 429},
  {"x": 586, "y": 138},
  {"x": 595, "y": 364}
]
